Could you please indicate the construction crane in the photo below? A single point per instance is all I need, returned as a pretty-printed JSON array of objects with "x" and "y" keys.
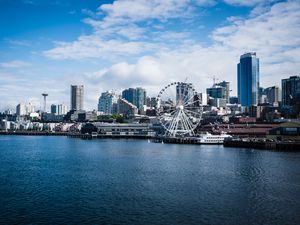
[{"x": 214, "y": 78}]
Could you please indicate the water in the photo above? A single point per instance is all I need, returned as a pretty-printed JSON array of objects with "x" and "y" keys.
[{"x": 59, "y": 180}]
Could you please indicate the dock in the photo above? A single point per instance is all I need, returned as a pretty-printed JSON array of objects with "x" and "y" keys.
[
  {"x": 264, "y": 145},
  {"x": 33, "y": 133},
  {"x": 175, "y": 140}
]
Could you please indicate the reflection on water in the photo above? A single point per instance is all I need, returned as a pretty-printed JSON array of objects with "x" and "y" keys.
[{"x": 71, "y": 181}]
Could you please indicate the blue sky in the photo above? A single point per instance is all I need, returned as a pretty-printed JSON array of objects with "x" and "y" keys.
[{"x": 45, "y": 46}]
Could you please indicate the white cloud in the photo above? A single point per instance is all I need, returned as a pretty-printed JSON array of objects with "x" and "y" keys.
[
  {"x": 247, "y": 2},
  {"x": 94, "y": 46},
  {"x": 163, "y": 55},
  {"x": 119, "y": 33},
  {"x": 14, "y": 64},
  {"x": 134, "y": 10}
]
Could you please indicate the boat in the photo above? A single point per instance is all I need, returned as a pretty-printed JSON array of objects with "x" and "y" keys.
[{"x": 208, "y": 138}]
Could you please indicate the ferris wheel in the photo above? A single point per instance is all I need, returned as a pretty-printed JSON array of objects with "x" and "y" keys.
[{"x": 179, "y": 109}]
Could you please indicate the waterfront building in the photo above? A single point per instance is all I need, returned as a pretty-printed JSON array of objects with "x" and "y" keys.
[
  {"x": 272, "y": 94},
  {"x": 77, "y": 92},
  {"x": 112, "y": 129},
  {"x": 106, "y": 101},
  {"x": 285, "y": 132},
  {"x": 248, "y": 79},
  {"x": 290, "y": 91}
]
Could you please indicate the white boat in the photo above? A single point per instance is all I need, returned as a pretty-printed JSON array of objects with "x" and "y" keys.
[{"x": 208, "y": 138}]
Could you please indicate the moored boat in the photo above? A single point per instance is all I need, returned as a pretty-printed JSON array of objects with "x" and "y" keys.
[{"x": 208, "y": 138}]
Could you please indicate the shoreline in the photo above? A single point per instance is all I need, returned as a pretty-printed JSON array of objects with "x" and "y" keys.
[{"x": 250, "y": 144}]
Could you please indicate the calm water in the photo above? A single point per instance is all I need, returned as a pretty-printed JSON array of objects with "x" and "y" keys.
[{"x": 59, "y": 180}]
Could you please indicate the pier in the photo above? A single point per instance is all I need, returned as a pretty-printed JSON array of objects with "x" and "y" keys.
[
  {"x": 33, "y": 133},
  {"x": 175, "y": 140},
  {"x": 264, "y": 145}
]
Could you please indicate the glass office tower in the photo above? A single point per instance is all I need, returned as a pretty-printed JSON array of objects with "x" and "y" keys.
[
  {"x": 290, "y": 91},
  {"x": 248, "y": 79},
  {"x": 136, "y": 96}
]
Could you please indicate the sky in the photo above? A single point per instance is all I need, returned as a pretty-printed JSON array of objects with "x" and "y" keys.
[{"x": 45, "y": 46}]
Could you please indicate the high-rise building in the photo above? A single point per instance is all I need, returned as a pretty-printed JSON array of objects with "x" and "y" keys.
[
  {"x": 219, "y": 90},
  {"x": 140, "y": 97},
  {"x": 130, "y": 95},
  {"x": 62, "y": 109},
  {"x": 272, "y": 94},
  {"x": 290, "y": 91},
  {"x": 153, "y": 102},
  {"x": 203, "y": 98},
  {"x": 226, "y": 86},
  {"x": 216, "y": 92},
  {"x": 21, "y": 109},
  {"x": 53, "y": 109},
  {"x": 248, "y": 79},
  {"x": 262, "y": 98},
  {"x": 29, "y": 108},
  {"x": 106, "y": 102},
  {"x": 77, "y": 97},
  {"x": 136, "y": 96}
]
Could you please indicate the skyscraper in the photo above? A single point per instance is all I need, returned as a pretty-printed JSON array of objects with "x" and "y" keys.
[
  {"x": 273, "y": 94},
  {"x": 290, "y": 91},
  {"x": 140, "y": 97},
  {"x": 130, "y": 95},
  {"x": 136, "y": 96},
  {"x": 216, "y": 92},
  {"x": 62, "y": 109},
  {"x": 76, "y": 97},
  {"x": 54, "y": 109},
  {"x": 21, "y": 109},
  {"x": 226, "y": 86},
  {"x": 248, "y": 79}
]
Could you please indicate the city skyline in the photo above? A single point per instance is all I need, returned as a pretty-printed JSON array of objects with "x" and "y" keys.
[{"x": 113, "y": 46}]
